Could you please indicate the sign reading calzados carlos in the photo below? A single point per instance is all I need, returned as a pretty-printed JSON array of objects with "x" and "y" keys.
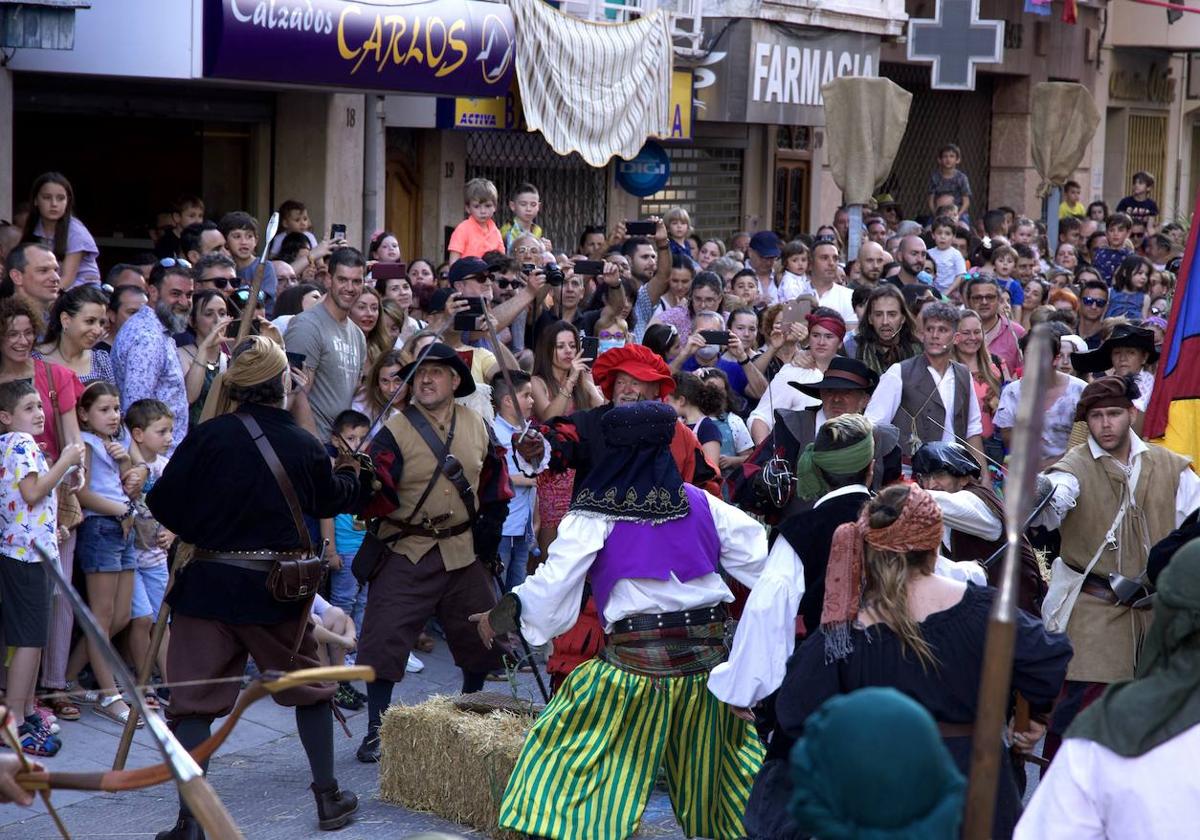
[
  {"x": 451, "y": 47},
  {"x": 772, "y": 74}
]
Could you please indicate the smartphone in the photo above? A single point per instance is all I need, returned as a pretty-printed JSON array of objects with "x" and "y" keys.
[
  {"x": 591, "y": 347},
  {"x": 389, "y": 271},
  {"x": 634, "y": 228},
  {"x": 337, "y": 232},
  {"x": 720, "y": 337},
  {"x": 797, "y": 309},
  {"x": 474, "y": 306},
  {"x": 296, "y": 360},
  {"x": 232, "y": 328},
  {"x": 589, "y": 268}
]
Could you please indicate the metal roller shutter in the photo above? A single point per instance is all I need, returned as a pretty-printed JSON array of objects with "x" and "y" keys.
[{"x": 707, "y": 182}]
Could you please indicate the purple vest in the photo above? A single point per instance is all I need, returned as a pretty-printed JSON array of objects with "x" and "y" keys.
[{"x": 688, "y": 547}]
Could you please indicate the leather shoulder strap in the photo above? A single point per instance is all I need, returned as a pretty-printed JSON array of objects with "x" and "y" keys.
[
  {"x": 449, "y": 465},
  {"x": 281, "y": 477}
]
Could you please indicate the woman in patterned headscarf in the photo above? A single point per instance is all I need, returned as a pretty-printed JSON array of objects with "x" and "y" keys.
[{"x": 889, "y": 620}]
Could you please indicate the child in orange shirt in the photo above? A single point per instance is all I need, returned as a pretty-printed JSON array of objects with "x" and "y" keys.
[{"x": 477, "y": 234}]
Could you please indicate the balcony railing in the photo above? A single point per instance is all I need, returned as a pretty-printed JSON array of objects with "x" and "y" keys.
[{"x": 686, "y": 17}]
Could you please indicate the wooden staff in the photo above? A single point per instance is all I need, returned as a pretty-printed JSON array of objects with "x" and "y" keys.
[
  {"x": 256, "y": 283},
  {"x": 996, "y": 679},
  {"x": 147, "y": 666}
]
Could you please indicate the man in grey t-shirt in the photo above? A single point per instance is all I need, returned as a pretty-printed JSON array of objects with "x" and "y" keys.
[{"x": 333, "y": 345}]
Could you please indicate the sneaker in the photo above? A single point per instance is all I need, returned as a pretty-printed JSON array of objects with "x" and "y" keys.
[
  {"x": 414, "y": 666},
  {"x": 347, "y": 698},
  {"x": 368, "y": 750},
  {"x": 47, "y": 717},
  {"x": 37, "y": 740}
]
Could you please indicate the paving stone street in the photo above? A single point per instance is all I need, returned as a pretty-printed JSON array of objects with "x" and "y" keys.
[{"x": 261, "y": 775}]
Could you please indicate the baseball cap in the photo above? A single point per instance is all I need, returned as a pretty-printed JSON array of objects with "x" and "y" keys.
[
  {"x": 466, "y": 267},
  {"x": 765, "y": 243}
]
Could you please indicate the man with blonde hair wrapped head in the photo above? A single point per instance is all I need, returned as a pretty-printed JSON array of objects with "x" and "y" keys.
[{"x": 222, "y": 609}]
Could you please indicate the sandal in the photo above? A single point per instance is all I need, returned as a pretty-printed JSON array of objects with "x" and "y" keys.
[
  {"x": 152, "y": 701},
  {"x": 83, "y": 696},
  {"x": 103, "y": 709},
  {"x": 61, "y": 706}
]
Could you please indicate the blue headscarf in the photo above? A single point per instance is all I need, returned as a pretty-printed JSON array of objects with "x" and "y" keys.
[
  {"x": 636, "y": 480},
  {"x": 872, "y": 766}
]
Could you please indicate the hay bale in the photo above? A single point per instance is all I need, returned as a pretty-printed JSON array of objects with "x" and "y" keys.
[{"x": 449, "y": 762}]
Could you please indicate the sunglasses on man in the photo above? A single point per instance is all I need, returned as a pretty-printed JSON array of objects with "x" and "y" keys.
[{"x": 1091, "y": 301}]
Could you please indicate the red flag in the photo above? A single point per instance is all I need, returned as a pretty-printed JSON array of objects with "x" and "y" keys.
[{"x": 1070, "y": 11}]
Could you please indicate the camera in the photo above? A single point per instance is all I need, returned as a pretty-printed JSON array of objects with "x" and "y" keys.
[{"x": 554, "y": 274}]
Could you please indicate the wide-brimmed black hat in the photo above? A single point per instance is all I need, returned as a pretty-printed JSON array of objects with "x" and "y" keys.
[
  {"x": 843, "y": 374},
  {"x": 444, "y": 354},
  {"x": 1123, "y": 335}
]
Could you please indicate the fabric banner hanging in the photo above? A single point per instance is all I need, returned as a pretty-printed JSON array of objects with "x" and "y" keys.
[{"x": 599, "y": 89}]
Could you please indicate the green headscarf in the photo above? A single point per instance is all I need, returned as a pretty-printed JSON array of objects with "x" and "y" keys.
[
  {"x": 872, "y": 766},
  {"x": 845, "y": 461},
  {"x": 1163, "y": 699}
]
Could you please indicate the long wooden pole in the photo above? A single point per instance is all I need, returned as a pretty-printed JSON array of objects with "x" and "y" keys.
[
  {"x": 256, "y": 283},
  {"x": 996, "y": 680},
  {"x": 143, "y": 675}
]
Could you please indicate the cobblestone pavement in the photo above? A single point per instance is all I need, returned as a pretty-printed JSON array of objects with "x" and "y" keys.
[{"x": 261, "y": 775}]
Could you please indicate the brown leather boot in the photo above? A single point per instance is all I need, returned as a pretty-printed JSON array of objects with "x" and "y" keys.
[{"x": 335, "y": 806}]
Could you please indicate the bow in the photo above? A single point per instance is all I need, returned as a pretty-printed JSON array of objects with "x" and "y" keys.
[{"x": 113, "y": 781}]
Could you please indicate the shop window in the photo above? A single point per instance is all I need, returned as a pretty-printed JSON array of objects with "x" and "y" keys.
[
  {"x": 708, "y": 184},
  {"x": 573, "y": 194}
]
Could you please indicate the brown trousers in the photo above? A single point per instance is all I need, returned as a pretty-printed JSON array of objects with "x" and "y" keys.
[
  {"x": 404, "y": 595},
  {"x": 203, "y": 649}
]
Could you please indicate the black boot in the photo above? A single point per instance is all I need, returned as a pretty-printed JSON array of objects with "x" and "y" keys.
[
  {"x": 185, "y": 829},
  {"x": 334, "y": 806},
  {"x": 369, "y": 749}
]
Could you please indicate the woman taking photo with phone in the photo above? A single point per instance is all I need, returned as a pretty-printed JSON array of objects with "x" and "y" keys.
[
  {"x": 203, "y": 360},
  {"x": 562, "y": 384}
]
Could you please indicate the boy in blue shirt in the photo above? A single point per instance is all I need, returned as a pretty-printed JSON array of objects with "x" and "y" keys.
[{"x": 512, "y": 404}]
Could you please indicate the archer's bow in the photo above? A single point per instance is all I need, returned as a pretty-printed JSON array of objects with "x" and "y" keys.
[
  {"x": 194, "y": 789},
  {"x": 113, "y": 781}
]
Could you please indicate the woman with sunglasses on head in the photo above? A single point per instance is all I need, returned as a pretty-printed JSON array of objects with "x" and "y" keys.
[
  {"x": 52, "y": 222},
  {"x": 205, "y": 356},
  {"x": 76, "y": 325}
]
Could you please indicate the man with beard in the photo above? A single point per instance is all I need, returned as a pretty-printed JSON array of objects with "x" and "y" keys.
[
  {"x": 333, "y": 345},
  {"x": 871, "y": 260},
  {"x": 911, "y": 255},
  {"x": 929, "y": 397},
  {"x": 144, "y": 356},
  {"x": 887, "y": 334},
  {"x": 1137, "y": 494}
]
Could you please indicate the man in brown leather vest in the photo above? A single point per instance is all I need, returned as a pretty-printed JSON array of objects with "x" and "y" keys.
[
  {"x": 1136, "y": 494},
  {"x": 974, "y": 516},
  {"x": 930, "y": 397}
]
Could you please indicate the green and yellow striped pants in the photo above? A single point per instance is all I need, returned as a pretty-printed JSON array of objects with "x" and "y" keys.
[{"x": 592, "y": 757}]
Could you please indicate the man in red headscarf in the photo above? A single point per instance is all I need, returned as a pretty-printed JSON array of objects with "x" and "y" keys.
[{"x": 626, "y": 375}]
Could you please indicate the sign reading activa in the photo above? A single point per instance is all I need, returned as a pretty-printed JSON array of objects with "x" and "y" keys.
[
  {"x": 773, "y": 74},
  {"x": 446, "y": 46}
]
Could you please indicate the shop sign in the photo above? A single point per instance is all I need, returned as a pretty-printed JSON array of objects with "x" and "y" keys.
[
  {"x": 455, "y": 47},
  {"x": 647, "y": 173},
  {"x": 503, "y": 113},
  {"x": 772, "y": 74},
  {"x": 1144, "y": 81}
]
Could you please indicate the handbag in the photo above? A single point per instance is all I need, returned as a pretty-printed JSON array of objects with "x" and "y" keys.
[
  {"x": 70, "y": 512},
  {"x": 290, "y": 579},
  {"x": 1066, "y": 583}
]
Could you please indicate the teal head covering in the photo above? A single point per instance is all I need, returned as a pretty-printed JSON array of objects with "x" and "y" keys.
[
  {"x": 872, "y": 766},
  {"x": 1163, "y": 700}
]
